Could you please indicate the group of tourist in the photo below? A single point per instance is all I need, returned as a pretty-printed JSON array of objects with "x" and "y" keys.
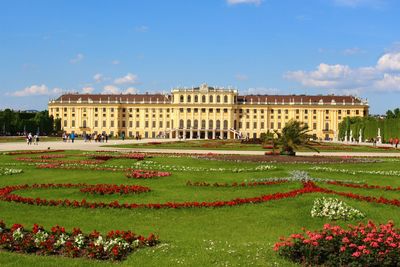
[
  {"x": 68, "y": 137},
  {"x": 32, "y": 139}
]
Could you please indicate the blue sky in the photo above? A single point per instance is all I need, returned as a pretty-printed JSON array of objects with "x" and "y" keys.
[{"x": 258, "y": 46}]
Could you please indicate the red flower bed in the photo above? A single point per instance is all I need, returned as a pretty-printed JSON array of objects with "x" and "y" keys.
[
  {"x": 366, "y": 186},
  {"x": 247, "y": 184},
  {"x": 145, "y": 174},
  {"x": 362, "y": 245},
  {"x": 108, "y": 189},
  {"x": 116, "y": 245},
  {"x": 52, "y": 156},
  {"x": 28, "y": 152},
  {"x": 6, "y": 195}
]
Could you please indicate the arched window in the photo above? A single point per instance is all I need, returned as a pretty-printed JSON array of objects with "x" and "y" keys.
[
  {"x": 188, "y": 124},
  {"x": 235, "y": 124},
  {"x": 180, "y": 124},
  {"x": 218, "y": 124},
  {"x": 218, "y": 99},
  {"x": 195, "y": 124},
  {"x": 203, "y": 99},
  {"x": 327, "y": 126},
  {"x": 84, "y": 124},
  {"x": 189, "y": 99},
  {"x": 225, "y": 99},
  {"x": 210, "y": 124},
  {"x": 211, "y": 99},
  {"x": 196, "y": 99},
  {"x": 225, "y": 124},
  {"x": 203, "y": 124},
  {"x": 181, "y": 99}
]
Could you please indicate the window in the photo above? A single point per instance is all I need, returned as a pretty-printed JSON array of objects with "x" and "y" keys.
[
  {"x": 180, "y": 124},
  {"x": 196, "y": 99},
  {"x": 348, "y": 112},
  {"x": 218, "y": 99},
  {"x": 153, "y": 124},
  {"x": 73, "y": 123},
  {"x": 112, "y": 124},
  {"x": 247, "y": 125},
  {"x": 210, "y": 124},
  {"x": 279, "y": 111},
  {"x": 203, "y": 99},
  {"x": 138, "y": 124},
  {"x": 286, "y": 111},
  {"x": 210, "y": 99},
  {"x": 327, "y": 126},
  {"x": 255, "y": 111},
  {"x": 225, "y": 99},
  {"x": 123, "y": 124},
  {"x": 225, "y": 124},
  {"x": 189, "y": 110},
  {"x": 339, "y": 112},
  {"x": 96, "y": 123},
  {"x": 306, "y": 111},
  {"x": 327, "y": 111},
  {"x": 65, "y": 123},
  {"x": 272, "y": 111},
  {"x": 189, "y": 99},
  {"x": 314, "y": 126},
  {"x": 262, "y": 125},
  {"x": 357, "y": 112},
  {"x": 131, "y": 124},
  {"x": 218, "y": 124},
  {"x": 272, "y": 125},
  {"x": 104, "y": 124},
  {"x": 181, "y": 99},
  {"x": 195, "y": 124},
  {"x": 203, "y": 124},
  {"x": 225, "y": 110},
  {"x": 254, "y": 125},
  {"x": 297, "y": 111},
  {"x": 240, "y": 124},
  {"x": 279, "y": 125}
]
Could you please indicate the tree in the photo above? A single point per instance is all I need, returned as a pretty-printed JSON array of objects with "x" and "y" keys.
[
  {"x": 396, "y": 113},
  {"x": 390, "y": 114},
  {"x": 269, "y": 138},
  {"x": 294, "y": 135}
]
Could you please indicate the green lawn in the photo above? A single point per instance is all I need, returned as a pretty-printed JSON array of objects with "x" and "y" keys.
[
  {"x": 237, "y": 145},
  {"x": 7, "y": 139},
  {"x": 229, "y": 236}
]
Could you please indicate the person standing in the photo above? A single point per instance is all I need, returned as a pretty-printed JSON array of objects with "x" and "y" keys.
[
  {"x": 29, "y": 139},
  {"x": 72, "y": 137},
  {"x": 396, "y": 142}
]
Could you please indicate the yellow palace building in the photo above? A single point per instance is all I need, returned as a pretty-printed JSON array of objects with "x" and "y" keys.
[{"x": 202, "y": 112}]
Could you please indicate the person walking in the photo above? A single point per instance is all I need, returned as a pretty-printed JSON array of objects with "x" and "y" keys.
[
  {"x": 396, "y": 142},
  {"x": 72, "y": 137},
  {"x": 29, "y": 139}
]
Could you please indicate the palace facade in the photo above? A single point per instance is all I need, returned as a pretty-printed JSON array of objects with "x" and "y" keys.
[{"x": 202, "y": 113}]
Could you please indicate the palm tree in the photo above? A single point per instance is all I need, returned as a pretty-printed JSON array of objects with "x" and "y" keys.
[{"x": 294, "y": 135}]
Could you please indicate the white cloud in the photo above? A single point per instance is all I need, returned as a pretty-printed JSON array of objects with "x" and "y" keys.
[
  {"x": 111, "y": 89},
  {"x": 389, "y": 62},
  {"x": 241, "y": 77},
  {"x": 390, "y": 82},
  {"x": 115, "y": 62},
  {"x": 358, "y": 3},
  {"x": 87, "y": 90},
  {"x": 142, "y": 28},
  {"x": 36, "y": 90},
  {"x": 384, "y": 76},
  {"x": 79, "y": 57},
  {"x": 130, "y": 90},
  {"x": 127, "y": 79},
  {"x": 237, "y": 2},
  {"x": 353, "y": 51},
  {"x": 98, "y": 77},
  {"x": 261, "y": 91}
]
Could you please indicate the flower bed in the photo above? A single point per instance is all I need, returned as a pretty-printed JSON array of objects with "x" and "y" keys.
[
  {"x": 116, "y": 245},
  {"x": 362, "y": 245},
  {"x": 108, "y": 189},
  {"x": 9, "y": 171},
  {"x": 145, "y": 174},
  {"x": 235, "y": 184},
  {"x": 6, "y": 194},
  {"x": 28, "y": 152},
  {"x": 52, "y": 156},
  {"x": 334, "y": 209},
  {"x": 329, "y": 169},
  {"x": 364, "y": 186}
]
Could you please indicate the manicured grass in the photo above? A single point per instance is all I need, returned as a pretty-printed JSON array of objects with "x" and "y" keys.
[
  {"x": 7, "y": 139},
  {"x": 237, "y": 145},
  {"x": 230, "y": 236}
]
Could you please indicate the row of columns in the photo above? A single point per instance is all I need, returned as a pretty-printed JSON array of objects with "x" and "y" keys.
[{"x": 206, "y": 132}]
